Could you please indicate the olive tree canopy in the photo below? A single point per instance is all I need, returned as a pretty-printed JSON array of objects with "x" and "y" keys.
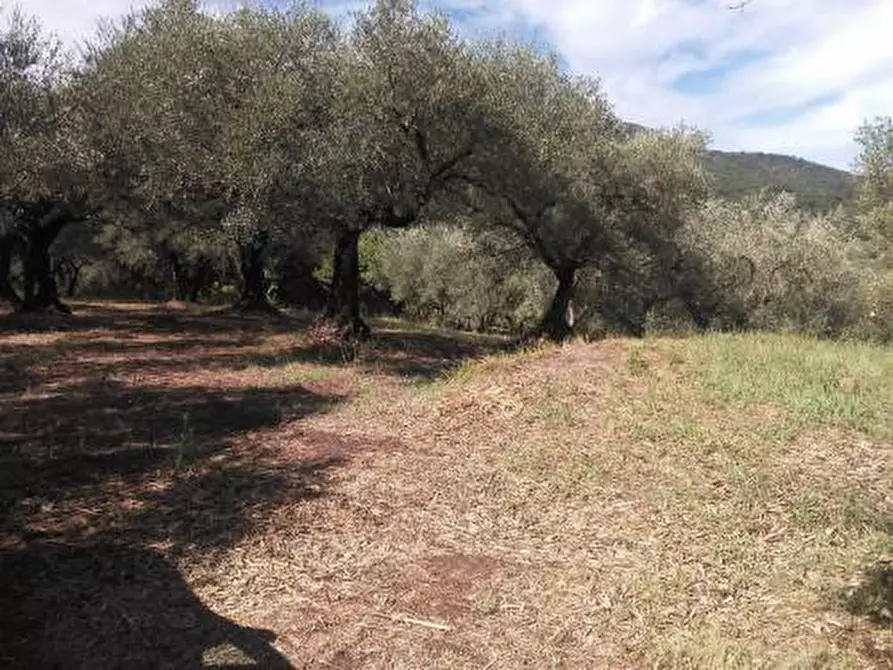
[
  {"x": 212, "y": 123},
  {"x": 564, "y": 176}
]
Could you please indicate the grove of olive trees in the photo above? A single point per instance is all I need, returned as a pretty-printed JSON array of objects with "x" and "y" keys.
[{"x": 191, "y": 155}]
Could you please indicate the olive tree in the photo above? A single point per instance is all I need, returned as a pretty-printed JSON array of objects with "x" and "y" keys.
[
  {"x": 875, "y": 168},
  {"x": 772, "y": 266},
  {"x": 45, "y": 171},
  {"x": 153, "y": 110},
  {"x": 212, "y": 123},
  {"x": 875, "y": 220},
  {"x": 563, "y": 176},
  {"x": 875, "y": 161},
  {"x": 461, "y": 276},
  {"x": 407, "y": 118}
]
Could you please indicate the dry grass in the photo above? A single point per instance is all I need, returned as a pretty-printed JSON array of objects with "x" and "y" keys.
[{"x": 707, "y": 502}]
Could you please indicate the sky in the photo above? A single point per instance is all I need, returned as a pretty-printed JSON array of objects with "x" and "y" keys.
[{"x": 782, "y": 76}]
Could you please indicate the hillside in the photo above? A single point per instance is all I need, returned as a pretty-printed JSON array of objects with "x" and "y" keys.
[
  {"x": 739, "y": 173},
  {"x": 817, "y": 187}
]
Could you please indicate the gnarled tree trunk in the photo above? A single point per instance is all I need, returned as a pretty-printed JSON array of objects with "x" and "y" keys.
[
  {"x": 180, "y": 278},
  {"x": 39, "y": 281},
  {"x": 201, "y": 279},
  {"x": 254, "y": 279},
  {"x": 344, "y": 300},
  {"x": 558, "y": 323}
]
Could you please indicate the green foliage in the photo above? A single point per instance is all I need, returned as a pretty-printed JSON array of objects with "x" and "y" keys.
[
  {"x": 453, "y": 275},
  {"x": 210, "y": 128},
  {"x": 34, "y": 146},
  {"x": 565, "y": 179},
  {"x": 47, "y": 171},
  {"x": 874, "y": 223},
  {"x": 758, "y": 264},
  {"x": 405, "y": 116},
  {"x": 875, "y": 162},
  {"x": 877, "y": 320},
  {"x": 770, "y": 266}
]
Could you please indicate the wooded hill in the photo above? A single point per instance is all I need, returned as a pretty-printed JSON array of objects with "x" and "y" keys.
[
  {"x": 738, "y": 173},
  {"x": 817, "y": 187}
]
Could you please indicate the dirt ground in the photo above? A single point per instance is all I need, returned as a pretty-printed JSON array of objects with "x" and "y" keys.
[
  {"x": 182, "y": 488},
  {"x": 139, "y": 443}
]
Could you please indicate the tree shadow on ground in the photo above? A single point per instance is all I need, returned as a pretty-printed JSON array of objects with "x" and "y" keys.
[
  {"x": 135, "y": 338},
  {"x": 83, "y": 505},
  {"x": 872, "y": 596},
  {"x": 150, "y": 462},
  {"x": 107, "y": 484},
  {"x": 417, "y": 354},
  {"x": 24, "y": 366},
  {"x": 112, "y": 606},
  {"x": 130, "y": 443},
  {"x": 148, "y": 318},
  {"x": 127, "y": 339}
]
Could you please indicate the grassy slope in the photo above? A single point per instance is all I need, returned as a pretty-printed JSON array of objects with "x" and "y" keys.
[
  {"x": 706, "y": 502},
  {"x": 719, "y": 501},
  {"x": 703, "y": 502}
]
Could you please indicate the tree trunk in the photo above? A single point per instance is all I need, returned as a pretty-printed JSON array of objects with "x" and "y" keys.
[
  {"x": 558, "y": 323},
  {"x": 254, "y": 280},
  {"x": 7, "y": 292},
  {"x": 201, "y": 280},
  {"x": 196, "y": 286},
  {"x": 180, "y": 278},
  {"x": 344, "y": 299},
  {"x": 699, "y": 313},
  {"x": 40, "y": 290},
  {"x": 73, "y": 276}
]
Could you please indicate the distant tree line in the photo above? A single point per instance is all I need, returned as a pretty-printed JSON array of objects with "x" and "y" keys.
[{"x": 273, "y": 157}]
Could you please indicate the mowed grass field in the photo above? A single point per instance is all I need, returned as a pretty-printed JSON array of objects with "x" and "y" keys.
[{"x": 188, "y": 489}]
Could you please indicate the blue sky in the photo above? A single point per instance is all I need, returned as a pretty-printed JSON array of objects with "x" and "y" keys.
[{"x": 786, "y": 76}]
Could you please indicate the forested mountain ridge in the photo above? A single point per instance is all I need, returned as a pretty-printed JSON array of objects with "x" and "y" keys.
[
  {"x": 739, "y": 173},
  {"x": 817, "y": 187}
]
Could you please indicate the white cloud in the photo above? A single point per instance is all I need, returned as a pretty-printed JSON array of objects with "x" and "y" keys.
[
  {"x": 831, "y": 58},
  {"x": 75, "y": 20},
  {"x": 811, "y": 50}
]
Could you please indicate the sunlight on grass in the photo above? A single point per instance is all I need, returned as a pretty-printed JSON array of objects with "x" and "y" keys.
[
  {"x": 714, "y": 494},
  {"x": 847, "y": 385}
]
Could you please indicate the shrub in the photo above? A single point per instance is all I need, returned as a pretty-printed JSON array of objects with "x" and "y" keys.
[
  {"x": 771, "y": 266},
  {"x": 454, "y": 277}
]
